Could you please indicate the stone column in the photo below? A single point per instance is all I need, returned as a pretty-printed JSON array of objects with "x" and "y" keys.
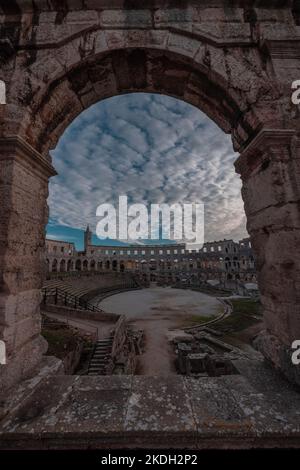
[
  {"x": 24, "y": 177},
  {"x": 270, "y": 171}
]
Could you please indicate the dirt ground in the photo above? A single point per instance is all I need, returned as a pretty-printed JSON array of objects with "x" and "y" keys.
[{"x": 159, "y": 311}]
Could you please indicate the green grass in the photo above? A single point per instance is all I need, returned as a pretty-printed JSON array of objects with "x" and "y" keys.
[
  {"x": 212, "y": 291},
  {"x": 60, "y": 341},
  {"x": 242, "y": 316},
  {"x": 247, "y": 306},
  {"x": 193, "y": 320}
]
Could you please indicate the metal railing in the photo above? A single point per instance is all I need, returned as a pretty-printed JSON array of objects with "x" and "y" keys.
[{"x": 57, "y": 296}]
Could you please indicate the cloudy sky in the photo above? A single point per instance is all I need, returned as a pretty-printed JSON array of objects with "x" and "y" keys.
[{"x": 152, "y": 148}]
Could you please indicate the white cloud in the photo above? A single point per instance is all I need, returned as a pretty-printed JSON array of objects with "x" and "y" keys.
[{"x": 154, "y": 149}]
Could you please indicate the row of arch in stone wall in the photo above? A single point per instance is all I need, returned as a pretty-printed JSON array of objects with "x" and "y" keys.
[
  {"x": 197, "y": 277},
  {"x": 202, "y": 269},
  {"x": 63, "y": 264},
  {"x": 223, "y": 264}
]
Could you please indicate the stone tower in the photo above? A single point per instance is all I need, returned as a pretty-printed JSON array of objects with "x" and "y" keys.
[{"x": 87, "y": 238}]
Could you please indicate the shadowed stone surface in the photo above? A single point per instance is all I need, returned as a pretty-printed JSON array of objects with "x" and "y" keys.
[
  {"x": 216, "y": 410},
  {"x": 96, "y": 404},
  {"x": 112, "y": 412},
  {"x": 159, "y": 405}
]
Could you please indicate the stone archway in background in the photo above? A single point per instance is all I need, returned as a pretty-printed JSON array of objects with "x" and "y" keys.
[
  {"x": 78, "y": 265},
  {"x": 234, "y": 64}
]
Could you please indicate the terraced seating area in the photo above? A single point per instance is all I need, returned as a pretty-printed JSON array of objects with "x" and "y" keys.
[
  {"x": 66, "y": 286},
  {"x": 78, "y": 292},
  {"x": 55, "y": 295}
]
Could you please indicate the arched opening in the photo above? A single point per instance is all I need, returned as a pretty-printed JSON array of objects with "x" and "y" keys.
[
  {"x": 85, "y": 265},
  {"x": 100, "y": 265},
  {"x": 114, "y": 265},
  {"x": 129, "y": 264},
  {"x": 146, "y": 70},
  {"x": 54, "y": 266},
  {"x": 92, "y": 265},
  {"x": 62, "y": 265},
  {"x": 70, "y": 265},
  {"x": 194, "y": 72},
  {"x": 78, "y": 265},
  {"x": 153, "y": 265}
]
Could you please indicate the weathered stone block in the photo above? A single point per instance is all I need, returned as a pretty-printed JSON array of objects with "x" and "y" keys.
[
  {"x": 126, "y": 18},
  {"x": 183, "y": 45}
]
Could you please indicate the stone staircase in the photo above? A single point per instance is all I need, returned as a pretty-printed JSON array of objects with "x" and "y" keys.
[{"x": 100, "y": 357}]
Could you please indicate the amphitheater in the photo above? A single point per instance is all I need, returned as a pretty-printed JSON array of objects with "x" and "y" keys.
[
  {"x": 235, "y": 61},
  {"x": 221, "y": 260}
]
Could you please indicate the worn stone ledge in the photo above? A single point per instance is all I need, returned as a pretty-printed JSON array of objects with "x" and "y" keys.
[
  {"x": 25, "y": 5},
  {"x": 253, "y": 155},
  {"x": 17, "y": 149},
  {"x": 256, "y": 409}
]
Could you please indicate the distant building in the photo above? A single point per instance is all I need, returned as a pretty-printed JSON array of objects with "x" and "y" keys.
[{"x": 223, "y": 260}]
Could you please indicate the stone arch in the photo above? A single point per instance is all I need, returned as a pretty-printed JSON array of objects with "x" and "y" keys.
[
  {"x": 85, "y": 265},
  {"x": 54, "y": 265},
  {"x": 78, "y": 265},
  {"x": 183, "y": 69},
  {"x": 100, "y": 265},
  {"x": 62, "y": 265},
  {"x": 212, "y": 95},
  {"x": 70, "y": 265},
  {"x": 92, "y": 265},
  {"x": 114, "y": 265},
  {"x": 239, "y": 80},
  {"x": 129, "y": 264}
]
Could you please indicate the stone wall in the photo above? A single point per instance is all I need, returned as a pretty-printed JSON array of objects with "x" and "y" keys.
[
  {"x": 125, "y": 348},
  {"x": 83, "y": 314},
  {"x": 234, "y": 61}
]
